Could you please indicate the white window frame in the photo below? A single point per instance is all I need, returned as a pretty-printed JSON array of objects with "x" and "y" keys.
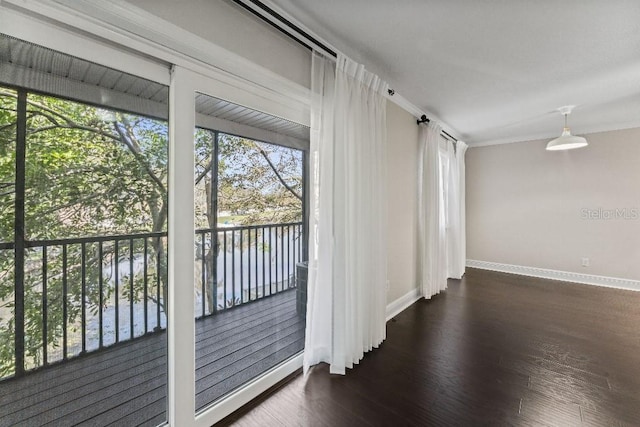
[{"x": 182, "y": 118}]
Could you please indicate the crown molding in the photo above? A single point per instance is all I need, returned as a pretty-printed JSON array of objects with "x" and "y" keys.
[
  {"x": 412, "y": 109},
  {"x": 544, "y": 136}
]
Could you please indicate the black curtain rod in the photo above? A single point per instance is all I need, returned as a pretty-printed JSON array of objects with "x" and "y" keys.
[
  {"x": 288, "y": 24},
  {"x": 425, "y": 119}
]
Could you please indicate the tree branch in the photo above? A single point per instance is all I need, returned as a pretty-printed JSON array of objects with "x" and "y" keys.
[
  {"x": 130, "y": 143},
  {"x": 133, "y": 146},
  {"x": 75, "y": 202},
  {"x": 7, "y": 126},
  {"x": 204, "y": 172},
  {"x": 282, "y": 181},
  {"x": 69, "y": 124}
]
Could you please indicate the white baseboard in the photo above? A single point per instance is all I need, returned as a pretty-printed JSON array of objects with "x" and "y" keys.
[
  {"x": 396, "y": 307},
  {"x": 566, "y": 276}
]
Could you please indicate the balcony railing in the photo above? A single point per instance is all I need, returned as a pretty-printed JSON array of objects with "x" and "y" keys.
[
  {"x": 85, "y": 294},
  {"x": 252, "y": 262}
]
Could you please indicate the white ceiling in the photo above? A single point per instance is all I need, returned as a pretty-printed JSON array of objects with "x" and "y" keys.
[{"x": 495, "y": 70}]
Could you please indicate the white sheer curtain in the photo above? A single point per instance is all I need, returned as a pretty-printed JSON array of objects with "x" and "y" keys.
[
  {"x": 432, "y": 236},
  {"x": 347, "y": 245},
  {"x": 442, "y": 243},
  {"x": 456, "y": 230},
  {"x": 461, "y": 151}
]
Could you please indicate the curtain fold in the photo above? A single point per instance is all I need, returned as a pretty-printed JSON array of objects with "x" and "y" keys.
[
  {"x": 441, "y": 210},
  {"x": 461, "y": 151},
  {"x": 432, "y": 240},
  {"x": 347, "y": 245},
  {"x": 456, "y": 230}
]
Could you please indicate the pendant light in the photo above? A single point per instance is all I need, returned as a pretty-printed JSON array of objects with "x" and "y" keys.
[{"x": 566, "y": 141}]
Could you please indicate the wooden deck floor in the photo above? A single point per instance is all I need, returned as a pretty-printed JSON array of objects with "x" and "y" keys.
[{"x": 126, "y": 385}]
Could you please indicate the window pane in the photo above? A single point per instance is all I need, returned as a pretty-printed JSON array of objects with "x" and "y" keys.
[
  {"x": 94, "y": 282},
  {"x": 8, "y": 107},
  {"x": 248, "y": 203}
]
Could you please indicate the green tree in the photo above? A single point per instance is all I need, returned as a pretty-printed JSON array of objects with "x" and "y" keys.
[
  {"x": 96, "y": 172},
  {"x": 89, "y": 172},
  {"x": 262, "y": 182}
]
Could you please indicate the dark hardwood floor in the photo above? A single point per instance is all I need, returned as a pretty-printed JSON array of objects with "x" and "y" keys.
[{"x": 494, "y": 349}]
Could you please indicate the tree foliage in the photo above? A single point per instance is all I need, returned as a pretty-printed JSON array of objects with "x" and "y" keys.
[
  {"x": 96, "y": 172},
  {"x": 88, "y": 172},
  {"x": 259, "y": 183}
]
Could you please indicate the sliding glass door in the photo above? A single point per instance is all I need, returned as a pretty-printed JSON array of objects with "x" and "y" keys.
[
  {"x": 83, "y": 241},
  {"x": 248, "y": 203}
]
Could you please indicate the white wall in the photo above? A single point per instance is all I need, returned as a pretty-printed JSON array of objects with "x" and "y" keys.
[
  {"x": 525, "y": 205},
  {"x": 231, "y": 27},
  {"x": 402, "y": 164}
]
